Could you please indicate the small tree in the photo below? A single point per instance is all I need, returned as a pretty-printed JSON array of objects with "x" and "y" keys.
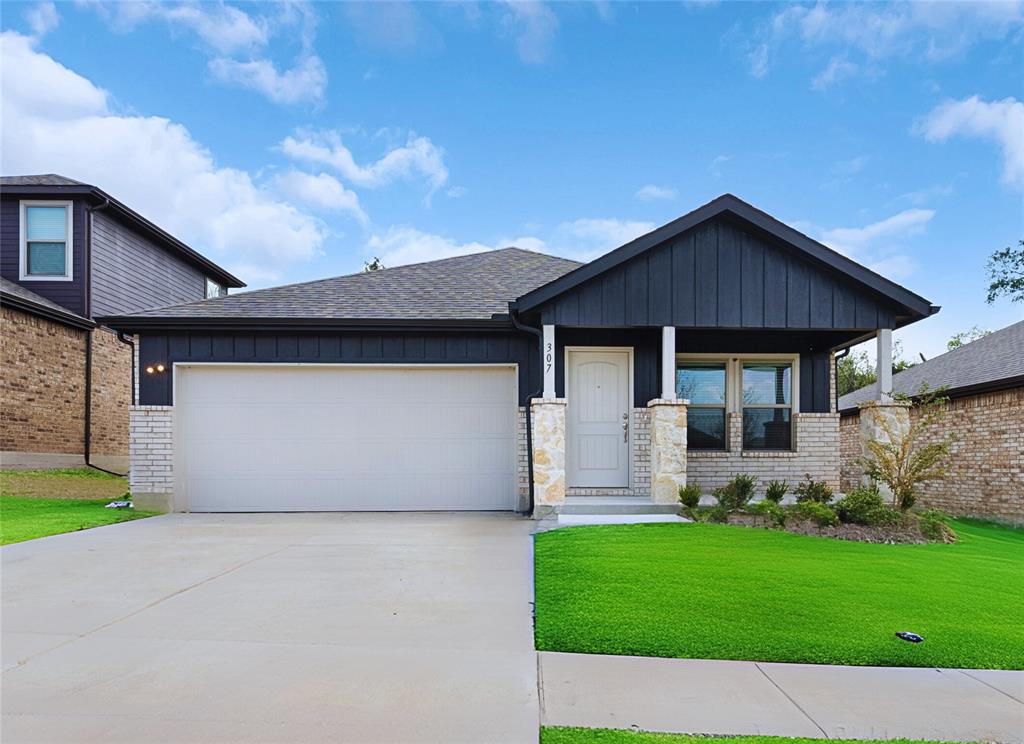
[
  {"x": 1006, "y": 274},
  {"x": 374, "y": 265},
  {"x": 905, "y": 460},
  {"x": 966, "y": 337}
]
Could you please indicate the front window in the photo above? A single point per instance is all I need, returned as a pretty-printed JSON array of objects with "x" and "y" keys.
[
  {"x": 46, "y": 241},
  {"x": 213, "y": 289},
  {"x": 704, "y": 385},
  {"x": 767, "y": 405}
]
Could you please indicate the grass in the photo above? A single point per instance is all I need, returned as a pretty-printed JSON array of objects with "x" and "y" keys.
[
  {"x": 720, "y": 592},
  {"x": 37, "y": 503},
  {"x": 615, "y": 736}
]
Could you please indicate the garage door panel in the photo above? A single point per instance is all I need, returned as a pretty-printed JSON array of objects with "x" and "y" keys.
[{"x": 265, "y": 438}]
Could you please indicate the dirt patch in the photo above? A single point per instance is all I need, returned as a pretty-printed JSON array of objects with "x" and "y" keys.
[
  {"x": 906, "y": 534},
  {"x": 35, "y": 485}
]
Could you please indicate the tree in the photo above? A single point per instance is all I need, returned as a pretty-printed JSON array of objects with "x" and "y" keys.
[
  {"x": 1006, "y": 272},
  {"x": 965, "y": 337},
  {"x": 855, "y": 370},
  {"x": 374, "y": 265}
]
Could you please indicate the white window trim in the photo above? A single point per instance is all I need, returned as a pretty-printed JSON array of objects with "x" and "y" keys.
[
  {"x": 69, "y": 244},
  {"x": 221, "y": 289},
  {"x": 734, "y": 385}
]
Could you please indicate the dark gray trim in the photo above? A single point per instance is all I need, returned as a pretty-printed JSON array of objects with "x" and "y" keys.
[
  {"x": 42, "y": 311},
  {"x": 768, "y": 225},
  {"x": 133, "y": 323}
]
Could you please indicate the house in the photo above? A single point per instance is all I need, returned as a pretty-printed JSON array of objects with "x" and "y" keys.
[
  {"x": 984, "y": 384},
  {"x": 69, "y": 252},
  {"x": 510, "y": 379}
]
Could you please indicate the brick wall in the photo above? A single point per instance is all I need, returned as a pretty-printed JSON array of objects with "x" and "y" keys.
[
  {"x": 986, "y": 461},
  {"x": 849, "y": 452},
  {"x": 152, "y": 449},
  {"x": 111, "y": 393},
  {"x": 522, "y": 460},
  {"x": 816, "y": 452},
  {"x": 42, "y": 385}
]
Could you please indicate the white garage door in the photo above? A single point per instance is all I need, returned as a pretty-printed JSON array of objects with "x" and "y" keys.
[{"x": 327, "y": 438}]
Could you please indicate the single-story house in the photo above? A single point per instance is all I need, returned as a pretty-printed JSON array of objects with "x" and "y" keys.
[
  {"x": 70, "y": 252},
  {"x": 984, "y": 384},
  {"x": 509, "y": 380}
]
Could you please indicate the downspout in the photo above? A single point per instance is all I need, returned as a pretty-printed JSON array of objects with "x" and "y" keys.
[
  {"x": 87, "y": 283},
  {"x": 539, "y": 333}
]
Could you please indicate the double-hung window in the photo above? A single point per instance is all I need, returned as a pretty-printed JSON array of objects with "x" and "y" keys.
[
  {"x": 767, "y": 403},
  {"x": 758, "y": 389},
  {"x": 704, "y": 385},
  {"x": 46, "y": 243}
]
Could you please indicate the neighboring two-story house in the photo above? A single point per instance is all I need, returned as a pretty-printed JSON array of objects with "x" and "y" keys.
[{"x": 69, "y": 253}]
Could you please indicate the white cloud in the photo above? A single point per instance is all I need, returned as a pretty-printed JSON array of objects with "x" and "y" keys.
[
  {"x": 586, "y": 239},
  {"x": 418, "y": 157},
  {"x": 322, "y": 191},
  {"x": 878, "y": 245},
  {"x": 304, "y": 82},
  {"x": 42, "y": 18},
  {"x": 715, "y": 166},
  {"x": 838, "y": 69},
  {"x": 455, "y": 192},
  {"x": 999, "y": 121},
  {"x": 154, "y": 164},
  {"x": 238, "y": 42},
  {"x": 850, "y": 167},
  {"x": 534, "y": 27},
  {"x": 403, "y": 245},
  {"x": 921, "y": 31},
  {"x": 650, "y": 192}
]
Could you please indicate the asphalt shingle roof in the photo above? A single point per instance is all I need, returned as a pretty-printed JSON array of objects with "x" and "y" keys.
[
  {"x": 13, "y": 290},
  {"x": 473, "y": 287},
  {"x": 992, "y": 358},
  {"x": 44, "y": 179}
]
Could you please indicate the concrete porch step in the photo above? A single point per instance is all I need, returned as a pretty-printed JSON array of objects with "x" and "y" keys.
[
  {"x": 578, "y": 520},
  {"x": 606, "y": 505}
]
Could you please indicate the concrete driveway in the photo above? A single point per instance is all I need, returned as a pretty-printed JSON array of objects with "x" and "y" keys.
[{"x": 274, "y": 627}]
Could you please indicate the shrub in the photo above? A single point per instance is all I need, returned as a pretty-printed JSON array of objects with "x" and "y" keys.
[
  {"x": 903, "y": 458},
  {"x": 776, "y": 491},
  {"x": 822, "y": 515},
  {"x": 717, "y": 515},
  {"x": 736, "y": 493},
  {"x": 856, "y": 506},
  {"x": 814, "y": 491},
  {"x": 885, "y": 516},
  {"x": 775, "y": 513},
  {"x": 935, "y": 527},
  {"x": 689, "y": 495}
]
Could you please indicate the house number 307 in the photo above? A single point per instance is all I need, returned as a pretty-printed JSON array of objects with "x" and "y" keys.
[{"x": 548, "y": 356}]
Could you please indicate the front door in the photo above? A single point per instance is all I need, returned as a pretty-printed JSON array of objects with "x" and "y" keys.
[{"x": 597, "y": 419}]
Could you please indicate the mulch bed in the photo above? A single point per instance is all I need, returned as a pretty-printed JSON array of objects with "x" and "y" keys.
[{"x": 908, "y": 533}]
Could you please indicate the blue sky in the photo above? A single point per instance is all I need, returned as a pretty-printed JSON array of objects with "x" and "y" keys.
[{"x": 292, "y": 141}]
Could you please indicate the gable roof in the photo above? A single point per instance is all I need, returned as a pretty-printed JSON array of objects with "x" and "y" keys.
[
  {"x": 760, "y": 221},
  {"x": 16, "y": 296},
  {"x": 475, "y": 287},
  {"x": 49, "y": 184},
  {"x": 992, "y": 362}
]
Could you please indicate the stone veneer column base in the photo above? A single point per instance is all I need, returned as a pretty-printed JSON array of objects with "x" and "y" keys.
[
  {"x": 880, "y": 422},
  {"x": 548, "y": 415},
  {"x": 668, "y": 449}
]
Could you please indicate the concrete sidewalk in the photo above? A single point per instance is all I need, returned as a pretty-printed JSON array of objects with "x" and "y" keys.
[{"x": 742, "y": 697}]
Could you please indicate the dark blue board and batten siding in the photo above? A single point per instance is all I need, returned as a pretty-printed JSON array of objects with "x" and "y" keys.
[
  {"x": 131, "y": 273},
  {"x": 719, "y": 275},
  {"x": 355, "y": 348}
]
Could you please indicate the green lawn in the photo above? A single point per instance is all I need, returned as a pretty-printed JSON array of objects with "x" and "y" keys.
[
  {"x": 48, "y": 502},
  {"x": 719, "y": 592},
  {"x": 614, "y": 736}
]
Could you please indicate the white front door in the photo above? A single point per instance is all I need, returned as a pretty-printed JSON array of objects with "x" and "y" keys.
[{"x": 597, "y": 419}]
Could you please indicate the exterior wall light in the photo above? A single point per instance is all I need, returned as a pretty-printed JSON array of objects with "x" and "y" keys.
[{"x": 154, "y": 368}]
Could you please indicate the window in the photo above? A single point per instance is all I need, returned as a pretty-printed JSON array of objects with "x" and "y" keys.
[
  {"x": 46, "y": 245},
  {"x": 213, "y": 289},
  {"x": 759, "y": 389},
  {"x": 704, "y": 385},
  {"x": 767, "y": 406}
]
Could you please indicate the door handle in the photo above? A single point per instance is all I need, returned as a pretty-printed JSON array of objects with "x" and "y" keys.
[{"x": 625, "y": 427}]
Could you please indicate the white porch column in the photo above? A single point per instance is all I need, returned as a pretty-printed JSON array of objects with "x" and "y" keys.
[
  {"x": 884, "y": 356},
  {"x": 549, "y": 362},
  {"x": 668, "y": 363}
]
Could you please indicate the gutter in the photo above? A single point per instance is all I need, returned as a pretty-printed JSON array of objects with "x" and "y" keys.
[{"x": 539, "y": 333}]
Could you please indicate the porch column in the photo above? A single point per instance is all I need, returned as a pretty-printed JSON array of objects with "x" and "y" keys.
[
  {"x": 884, "y": 355},
  {"x": 668, "y": 363},
  {"x": 881, "y": 422},
  {"x": 668, "y": 449},
  {"x": 548, "y": 362},
  {"x": 548, "y": 417}
]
